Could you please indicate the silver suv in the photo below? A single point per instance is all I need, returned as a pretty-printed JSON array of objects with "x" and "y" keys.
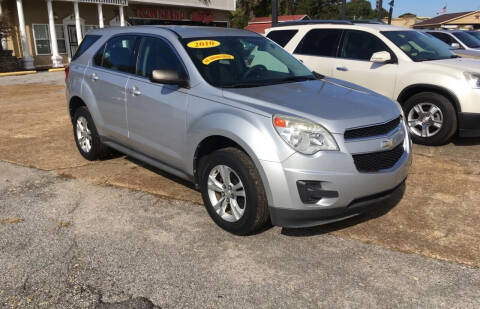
[{"x": 260, "y": 135}]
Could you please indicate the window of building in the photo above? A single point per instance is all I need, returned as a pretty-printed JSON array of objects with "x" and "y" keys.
[
  {"x": 41, "y": 36},
  {"x": 281, "y": 37},
  {"x": 320, "y": 42}
]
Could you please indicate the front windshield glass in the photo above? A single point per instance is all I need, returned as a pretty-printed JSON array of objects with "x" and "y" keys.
[
  {"x": 467, "y": 39},
  {"x": 244, "y": 61},
  {"x": 419, "y": 46}
]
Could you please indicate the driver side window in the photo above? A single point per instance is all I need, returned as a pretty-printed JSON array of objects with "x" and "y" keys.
[
  {"x": 361, "y": 45},
  {"x": 156, "y": 54}
]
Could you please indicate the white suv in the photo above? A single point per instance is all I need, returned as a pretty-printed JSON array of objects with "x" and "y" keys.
[{"x": 439, "y": 92}]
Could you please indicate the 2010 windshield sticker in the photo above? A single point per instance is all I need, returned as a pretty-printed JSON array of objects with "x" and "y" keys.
[
  {"x": 203, "y": 44},
  {"x": 216, "y": 57}
]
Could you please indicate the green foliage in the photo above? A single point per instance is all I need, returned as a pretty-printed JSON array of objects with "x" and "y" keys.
[{"x": 316, "y": 9}]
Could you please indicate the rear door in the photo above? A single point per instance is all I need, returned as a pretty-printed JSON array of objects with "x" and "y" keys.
[
  {"x": 318, "y": 49},
  {"x": 354, "y": 65},
  {"x": 157, "y": 112},
  {"x": 107, "y": 77}
]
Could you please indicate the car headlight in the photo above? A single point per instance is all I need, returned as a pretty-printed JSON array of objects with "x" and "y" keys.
[
  {"x": 473, "y": 79},
  {"x": 304, "y": 136}
]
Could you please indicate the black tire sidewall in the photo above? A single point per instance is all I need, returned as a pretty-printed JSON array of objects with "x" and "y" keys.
[
  {"x": 93, "y": 153},
  {"x": 245, "y": 225},
  {"x": 449, "y": 126}
]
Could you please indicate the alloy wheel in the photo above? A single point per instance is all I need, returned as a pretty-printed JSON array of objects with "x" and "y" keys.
[
  {"x": 425, "y": 120},
  {"x": 226, "y": 193}
]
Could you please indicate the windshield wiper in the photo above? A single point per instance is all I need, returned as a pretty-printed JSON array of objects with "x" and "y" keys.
[
  {"x": 293, "y": 79},
  {"x": 455, "y": 56},
  {"x": 318, "y": 75}
]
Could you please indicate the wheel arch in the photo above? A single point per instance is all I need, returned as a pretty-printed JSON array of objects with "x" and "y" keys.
[
  {"x": 74, "y": 104},
  {"x": 411, "y": 90},
  {"x": 219, "y": 141}
]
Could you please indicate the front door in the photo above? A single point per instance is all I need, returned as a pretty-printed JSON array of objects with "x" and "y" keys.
[
  {"x": 72, "y": 39},
  {"x": 354, "y": 65},
  {"x": 157, "y": 112}
]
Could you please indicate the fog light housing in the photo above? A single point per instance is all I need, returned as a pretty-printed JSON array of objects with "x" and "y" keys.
[{"x": 311, "y": 191}]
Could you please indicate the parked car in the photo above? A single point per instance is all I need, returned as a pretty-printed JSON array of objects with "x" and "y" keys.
[
  {"x": 457, "y": 39},
  {"x": 259, "y": 138},
  {"x": 438, "y": 90},
  {"x": 474, "y": 33}
]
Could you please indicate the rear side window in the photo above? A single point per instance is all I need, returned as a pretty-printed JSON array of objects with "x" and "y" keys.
[
  {"x": 446, "y": 38},
  {"x": 88, "y": 41},
  {"x": 361, "y": 45},
  {"x": 118, "y": 54},
  {"x": 320, "y": 42},
  {"x": 156, "y": 54},
  {"x": 281, "y": 37}
]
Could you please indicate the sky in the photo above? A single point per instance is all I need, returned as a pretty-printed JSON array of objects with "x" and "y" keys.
[{"x": 429, "y": 8}]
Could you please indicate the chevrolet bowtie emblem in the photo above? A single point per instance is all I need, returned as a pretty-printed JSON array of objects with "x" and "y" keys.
[{"x": 387, "y": 144}]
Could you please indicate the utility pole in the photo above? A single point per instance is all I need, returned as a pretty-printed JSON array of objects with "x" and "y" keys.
[
  {"x": 390, "y": 11},
  {"x": 379, "y": 9},
  {"x": 274, "y": 13},
  {"x": 344, "y": 9}
]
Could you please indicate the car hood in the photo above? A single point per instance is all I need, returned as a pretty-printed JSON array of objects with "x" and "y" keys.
[
  {"x": 335, "y": 104},
  {"x": 462, "y": 64}
]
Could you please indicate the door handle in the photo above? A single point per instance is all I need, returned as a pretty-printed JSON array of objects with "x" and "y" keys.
[
  {"x": 94, "y": 77},
  {"x": 344, "y": 69},
  {"x": 135, "y": 92}
]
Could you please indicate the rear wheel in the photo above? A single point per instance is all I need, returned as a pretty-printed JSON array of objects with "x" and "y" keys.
[
  {"x": 86, "y": 136},
  {"x": 431, "y": 118},
  {"x": 233, "y": 191}
]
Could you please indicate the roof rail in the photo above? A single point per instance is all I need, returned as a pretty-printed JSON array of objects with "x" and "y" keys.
[
  {"x": 327, "y": 21},
  {"x": 313, "y": 22}
]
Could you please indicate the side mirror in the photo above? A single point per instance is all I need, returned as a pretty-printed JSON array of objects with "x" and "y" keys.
[
  {"x": 455, "y": 46},
  {"x": 169, "y": 77},
  {"x": 381, "y": 57}
]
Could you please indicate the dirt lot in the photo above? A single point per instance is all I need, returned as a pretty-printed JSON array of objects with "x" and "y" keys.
[{"x": 438, "y": 216}]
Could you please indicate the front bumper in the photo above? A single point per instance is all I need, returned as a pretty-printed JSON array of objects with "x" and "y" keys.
[
  {"x": 336, "y": 172},
  {"x": 296, "y": 218},
  {"x": 469, "y": 124}
]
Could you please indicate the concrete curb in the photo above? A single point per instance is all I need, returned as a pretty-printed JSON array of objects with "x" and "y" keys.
[
  {"x": 56, "y": 70},
  {"x": 17, "y": 73}
]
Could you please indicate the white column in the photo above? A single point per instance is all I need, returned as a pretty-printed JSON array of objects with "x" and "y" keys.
[
  {"x": 100, "y": 16},
  {"x": 27, "y": 59},
  {"x": 4, "y": 40},
  {"x": 56, "y": 58},
  {"x": 122, "y": 17},
  {"x": 78, "y": 25}
]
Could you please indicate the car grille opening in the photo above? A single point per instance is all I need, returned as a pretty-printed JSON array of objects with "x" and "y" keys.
[
  {"x": 377, "y": 161},
  {"x": 375, "y": 130}
]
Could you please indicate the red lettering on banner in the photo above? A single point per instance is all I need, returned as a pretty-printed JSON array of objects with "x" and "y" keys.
[{"x": 161, "y": 13}]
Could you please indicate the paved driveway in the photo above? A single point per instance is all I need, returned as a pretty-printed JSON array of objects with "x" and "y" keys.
[{"x": 68, "y": 243}]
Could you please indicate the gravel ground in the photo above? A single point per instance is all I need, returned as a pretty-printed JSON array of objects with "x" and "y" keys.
[{"x": 67, "y": 243}]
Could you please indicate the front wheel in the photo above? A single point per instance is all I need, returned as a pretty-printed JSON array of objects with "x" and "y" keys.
[
  {"x": 233, "y": 192},
  {"x": 431, "y": 118}
]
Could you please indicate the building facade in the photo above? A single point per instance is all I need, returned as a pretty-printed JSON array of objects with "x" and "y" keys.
[
  {"x": 48, "y": 32},
  {"x": 453, "y": 21}
]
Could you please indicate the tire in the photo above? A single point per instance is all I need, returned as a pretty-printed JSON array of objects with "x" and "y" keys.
[
  {"x": 423, "y": 103},
  {"x": 97, "y": 150},
  {"x": 254, "y": 203}
]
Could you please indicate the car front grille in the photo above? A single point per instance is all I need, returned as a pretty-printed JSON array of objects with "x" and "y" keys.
[
  {"x": 375, "y": 130},
  {"x": 377, "y": 161}
]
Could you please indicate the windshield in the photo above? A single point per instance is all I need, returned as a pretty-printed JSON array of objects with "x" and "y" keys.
[
  {"x": 244, "y": 61},
  {"x": 475, "y": 34},
  {"x": 419, "y": 46},
  {"x": 467, "y": 39}
]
